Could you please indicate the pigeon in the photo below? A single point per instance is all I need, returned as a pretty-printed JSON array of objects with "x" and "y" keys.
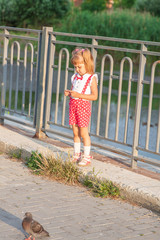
[{"x": 32, "y": 227}]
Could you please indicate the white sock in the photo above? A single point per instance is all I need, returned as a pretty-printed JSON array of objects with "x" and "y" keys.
[
  {"x": 77, "y": 147},
  {"x": 87, "y": 150}
]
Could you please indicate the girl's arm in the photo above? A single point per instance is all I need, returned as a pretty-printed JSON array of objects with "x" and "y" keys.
[{"x": 94, "y": 92}]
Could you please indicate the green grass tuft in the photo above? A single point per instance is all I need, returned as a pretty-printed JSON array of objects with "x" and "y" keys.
[
  {"x": 15, "y": 153},
  {"x": 65, "y": 171},
  {"x": 54, "y": 168},
  {"x": 100, "y": 187}
]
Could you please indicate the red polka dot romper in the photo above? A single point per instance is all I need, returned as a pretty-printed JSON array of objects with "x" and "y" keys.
[{"x": 79, "y": 109}]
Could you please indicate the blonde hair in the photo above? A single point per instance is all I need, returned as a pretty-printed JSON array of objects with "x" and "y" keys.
[{"x": 78, "y": 54}]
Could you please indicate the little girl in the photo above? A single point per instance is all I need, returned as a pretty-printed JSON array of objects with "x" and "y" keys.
[{"x": 84, "y": 89}]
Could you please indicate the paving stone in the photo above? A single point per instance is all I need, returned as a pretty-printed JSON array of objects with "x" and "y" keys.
[{"x": 67, "y": 212}]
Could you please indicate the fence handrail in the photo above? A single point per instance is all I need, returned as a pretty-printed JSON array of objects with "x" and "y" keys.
[
  {"x": 20, "y": 29},
  {"x": 106, "y": 38}
]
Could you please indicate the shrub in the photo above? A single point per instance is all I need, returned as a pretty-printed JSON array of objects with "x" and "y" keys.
[
  {"x": 152, "y": 6},
  {"x": 93, "y": 5},
  {"x": 119, "y": 24},
  {"x": 124, "y": 3},
  {"x": 35, "y": 13}
]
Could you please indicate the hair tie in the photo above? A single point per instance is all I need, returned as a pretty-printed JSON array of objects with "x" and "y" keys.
[{"x": 83, "y": 50}]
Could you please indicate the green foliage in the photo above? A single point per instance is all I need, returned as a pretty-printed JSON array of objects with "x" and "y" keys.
[
  {"x": 16, "y": 153},
  {"x": 119, "y": 23},
  {"x": 34, "y": 161},
  {"x": 124, "y": 3},
  {"x": 93, "y": 5},
  {"x": 6, "y": 10},
  {"x": 128, "y": 3},
  {"x": 28, "y": 12},
  {"x": 100, "y": 188},
  {"x": 152, "y": 6}
]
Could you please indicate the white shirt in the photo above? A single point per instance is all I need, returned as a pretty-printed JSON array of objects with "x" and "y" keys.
[{"x": 78, "y": 85}]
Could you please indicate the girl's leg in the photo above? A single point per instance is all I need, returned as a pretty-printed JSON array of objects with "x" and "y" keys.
[
  {"x": 77, "y": 143},
  {"x": 76, "y": 133},
  {"x": 85, "y": 135},
  {"x": 86, "y": 160}
]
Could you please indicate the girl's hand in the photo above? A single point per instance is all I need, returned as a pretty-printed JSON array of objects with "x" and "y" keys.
[
  {"x": 67, "y": 93},
  {"x": 74, "y": 94}
]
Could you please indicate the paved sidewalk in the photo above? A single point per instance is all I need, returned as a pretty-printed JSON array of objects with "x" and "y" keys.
[
  {"x": 67, "y": 212},
  {"x": 143, "y": 189}
]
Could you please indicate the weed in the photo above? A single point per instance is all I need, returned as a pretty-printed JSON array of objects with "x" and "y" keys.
[
  {"x": 100, "y": 188},
  {"x": 54, "y": 168},
  {"x": 34, "y": 161},
  {"x": 16, "y": 153},
  {"x": 65, "y": 171}
]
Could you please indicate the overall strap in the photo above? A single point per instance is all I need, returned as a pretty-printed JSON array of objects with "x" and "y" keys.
[{"x": 86, "y": 85}]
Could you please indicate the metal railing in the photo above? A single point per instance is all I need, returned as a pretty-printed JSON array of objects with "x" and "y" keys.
[
  {"x": 19, "y": 70},
  {"x": 117, "y": 122}
]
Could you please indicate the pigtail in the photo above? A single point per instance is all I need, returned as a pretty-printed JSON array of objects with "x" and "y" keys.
[{"x": 88, "y": 60}]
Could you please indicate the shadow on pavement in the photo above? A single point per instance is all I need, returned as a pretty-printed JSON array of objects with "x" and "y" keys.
[{"x": 11, "y": 220}]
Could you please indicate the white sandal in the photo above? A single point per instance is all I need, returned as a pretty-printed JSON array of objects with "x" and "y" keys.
[
  {"x": 76, "y": 157},
  {"x": 86, "y": 160}
]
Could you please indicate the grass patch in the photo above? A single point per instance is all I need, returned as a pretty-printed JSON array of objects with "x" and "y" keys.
[
  {"x": 65, "y": 171},
  {"x": 99, "y": 187},
  {"x": 54, "y": 168},
  {"x": 16, "y": 153}
]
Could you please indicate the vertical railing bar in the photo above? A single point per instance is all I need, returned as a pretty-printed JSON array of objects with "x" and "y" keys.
[
  {"x": 49, "y": 80},
  {"x": 128, "y": 98},
  {"x": 41, "y": 81},
  {"x": 24, "y": 78},
  {"x": 31, "y": 80},
  {"x": 150, "y": 108},
  {"x": 109, "y": 95},
  {"x": 142, "y": 64},
  {"x": 65, "y": 85},
  {"x": 119, "y": 99},
  {"x": 36, "y": 79},
  {"x": 58, "y": 85},
  {"x": 17, "y": 76},
  {"x": 11, "y": 76},
  {"x": 3, "y": 84},
  {"x": 150, "y": 105},
  {"x": 100, "y": 97},
  {"x": 94, "y": 54},
  {"x": 158, "y": 132}
]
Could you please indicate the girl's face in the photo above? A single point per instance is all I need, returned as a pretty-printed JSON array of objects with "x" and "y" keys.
[{"x": 80, "y": 68}]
